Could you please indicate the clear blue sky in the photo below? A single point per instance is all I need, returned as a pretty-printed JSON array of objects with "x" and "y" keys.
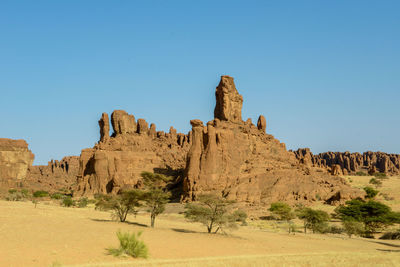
[{"x": 326, "y": 74}]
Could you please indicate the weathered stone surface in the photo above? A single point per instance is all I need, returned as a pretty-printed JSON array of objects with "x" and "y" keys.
[
  {"x": 104, "y": 125},
  {"x": 350, "y": 163},
  {"x": 56, "y": 175},
  {"x": 122, "y": 122},
  {"x": 117, "y": 163},
  {"x": 240, "y": 161},
  {"x": 15, "y": 159},
  {"x": 262, "y": 123},
  {"x": 229, "y": 101}
]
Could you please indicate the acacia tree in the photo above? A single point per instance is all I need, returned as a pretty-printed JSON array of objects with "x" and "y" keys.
[
  {"x": 214, "y": 212},
  {"x": 122, "y": 204},
  {"x": 373, "y": 214},
  {"x": 282, "y": 211},
  {"x": 156, "y": 195},
  {"x": 315, "y": 220}
]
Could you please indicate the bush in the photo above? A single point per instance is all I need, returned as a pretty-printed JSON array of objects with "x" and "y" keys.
[
  {"x": 380, "y": 175},
  {"x": 360, "y": 173},
  {"x": 370, "y": 192},
  {"x": 352, "y": 227},
  {"x": 335, "y": 229},
  {"x": 83, "y": 202},
  {"x": 12, "y": 191},
  {"x": 57, "y": 196},
  {"x": 391, "y": 235},
  {"x": 375, "y": 182},
  {"x": 68, "y": 202},
  {"x": 129, "y": 245},
  {"x": 240, "y": 216},
  {"x": 40, "y": 193}
]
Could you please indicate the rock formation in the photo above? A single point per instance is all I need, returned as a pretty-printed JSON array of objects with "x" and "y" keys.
[
  {"x": 56, "y": 175},
  {"x": 15, "y": 159},
  {"x": 117, "y": 162},
  {"x": 241, "y": 161},
  {"x": 343, "y": 163},
  {"x": 229, "y": 102}
]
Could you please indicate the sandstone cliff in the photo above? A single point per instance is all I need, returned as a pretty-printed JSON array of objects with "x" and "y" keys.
[
  {"x": 242, "y": 162},
  {"x": 15, "y": 159},
  {"x": 117, "y": 161},
  {"x": 343, "y": 163}
]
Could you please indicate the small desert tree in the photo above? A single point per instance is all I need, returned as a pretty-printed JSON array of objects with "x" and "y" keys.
[
  {"x": 122, "y": 204},
  {"x": 316, "y": 220},
  {"x": 156, "y": 195},
  {"x": 212, "y": 211},
  {"x": 282, "y": 211}
]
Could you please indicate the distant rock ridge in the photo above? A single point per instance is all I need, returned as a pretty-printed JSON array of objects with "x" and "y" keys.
[
  {"x": 117, "y": 161},
  {"x": 344, "y": 163}
]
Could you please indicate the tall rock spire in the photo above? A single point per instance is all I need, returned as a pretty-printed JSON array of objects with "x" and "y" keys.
[{"x": 229, "y": 101}]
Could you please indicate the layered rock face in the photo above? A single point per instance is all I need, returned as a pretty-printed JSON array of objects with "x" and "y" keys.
[
  {"x": 15, "y": 159},
  {"x": 343, "y": 163},
  {"x": 117, "y": 161},
  {"x": 241, "y": 161},
  {"x": 57, "y": 174}
]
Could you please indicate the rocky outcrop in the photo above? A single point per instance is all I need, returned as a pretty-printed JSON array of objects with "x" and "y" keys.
[
  {"x": 229, "y": 101},
  {"x": 241, "y": 161},
  {"x": 15, "y": 159},
  {"x": 344, "y": 163},
  {"x": 117, "y": 162},
  {"x": 56, "y": 175}
]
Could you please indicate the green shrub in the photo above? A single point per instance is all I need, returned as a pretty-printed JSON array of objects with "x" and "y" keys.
[
  {"x": 129, "y": 245},
  {"x": 68, "y": 202},
  {"x": 380, "y": 175},
  {"x": 40, "y": 193},
  {"x": 82, "y": 202},
  {"x": 391, "y": 235},
  {"x": 352, "y": 227},
  {"x": 360, "y": 173},
  {"x": 240, "y": 216},
  {"x": 370, "y": 192},
  {"x": 25, "y": 193},
  {"x": 57, "y": 196},
  {"x": 333, "y": 229},
  {"x": 375, "y": 182},
  {"x": 12, "y": 191}
]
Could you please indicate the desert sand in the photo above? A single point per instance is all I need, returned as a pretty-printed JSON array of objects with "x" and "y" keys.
[{"x": 50, "y": 235}]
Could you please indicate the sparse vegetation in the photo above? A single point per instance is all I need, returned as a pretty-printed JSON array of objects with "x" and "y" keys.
[
  {"x": 15, "y": 195},
  {"x": 82, "y": 202},
  {"x": 40, "y": 193},
  {"x": 370, "y": 192},
  {"x": 352, "y": 227},
  {"x": 68, "y": 202},
  {"x": 129, "y": 245},
  {"x": 377, "y": 183},
  {"x": 212, "y": 211},
  {"x": 121, "y": 205},
  {"x": 361, "y": 173},
  {"x": 380, "y": 175},
  {"x": 394, "y": 235}
]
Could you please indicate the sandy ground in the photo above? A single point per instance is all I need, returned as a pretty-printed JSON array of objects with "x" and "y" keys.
[{"x": 51, "y": 235}]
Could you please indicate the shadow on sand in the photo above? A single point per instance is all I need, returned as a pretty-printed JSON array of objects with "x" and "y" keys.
[{"x": 127, "y": 222}]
